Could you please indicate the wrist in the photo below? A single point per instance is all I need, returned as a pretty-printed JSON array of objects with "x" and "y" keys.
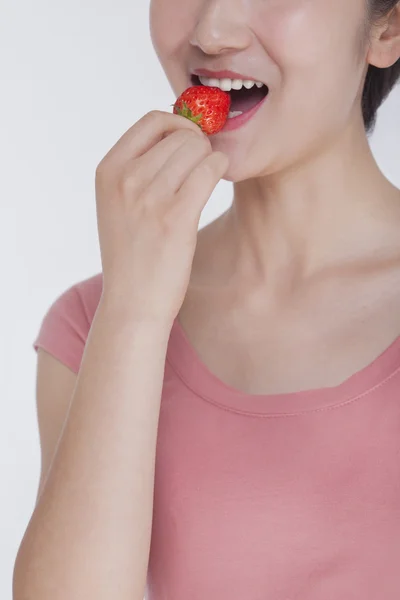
[{"x": 127, "y": 314}]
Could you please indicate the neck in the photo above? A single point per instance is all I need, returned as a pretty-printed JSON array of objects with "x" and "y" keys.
[{"x": 326, "y": 209}]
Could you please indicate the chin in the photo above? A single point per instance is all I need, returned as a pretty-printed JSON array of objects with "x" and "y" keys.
[
  {"x": 247, "y": 159},
  {"x": 238, "y": 175},
  {"x": 242, "y": 168}
]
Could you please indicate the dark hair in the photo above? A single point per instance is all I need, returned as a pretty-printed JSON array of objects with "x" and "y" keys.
[{"x": 378, "y": 82}]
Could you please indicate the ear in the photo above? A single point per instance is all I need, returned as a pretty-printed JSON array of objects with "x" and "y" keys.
[{"x": 384, "y": 48}]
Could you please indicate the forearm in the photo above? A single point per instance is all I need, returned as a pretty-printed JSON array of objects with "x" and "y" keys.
[{"x": 89, "y": 536}]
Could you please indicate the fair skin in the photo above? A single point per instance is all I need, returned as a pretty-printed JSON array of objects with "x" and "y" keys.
[{"x": 313, "y": 218}]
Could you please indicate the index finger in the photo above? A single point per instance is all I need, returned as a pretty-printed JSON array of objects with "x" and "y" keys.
[{"x": 145, "y": 133}]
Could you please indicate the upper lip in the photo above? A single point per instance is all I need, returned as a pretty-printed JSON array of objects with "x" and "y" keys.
[{"x": 223, "y": 74}]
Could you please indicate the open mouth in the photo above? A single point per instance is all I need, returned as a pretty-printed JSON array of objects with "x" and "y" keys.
[{"x": 241, "y": 100}]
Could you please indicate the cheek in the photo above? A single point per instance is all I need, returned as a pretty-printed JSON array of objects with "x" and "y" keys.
[
  {"x": 314, "y": 46},
  {"x": 159, "y": 33},
  {"x": 307, "y": 37},
  {"x": 170, "y": 23},
  {"x": 315, "y": 74}
]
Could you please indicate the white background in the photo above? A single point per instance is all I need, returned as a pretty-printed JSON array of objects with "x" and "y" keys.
[{"x": 74, "y": 77}]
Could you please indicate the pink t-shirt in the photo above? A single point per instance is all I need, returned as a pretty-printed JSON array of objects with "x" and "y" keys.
[{"x": 290, "y": 496}]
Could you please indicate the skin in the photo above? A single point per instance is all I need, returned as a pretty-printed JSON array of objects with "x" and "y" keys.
[
  {"x": 313, "y": 218},
  {"x": 296, "y": 286}
]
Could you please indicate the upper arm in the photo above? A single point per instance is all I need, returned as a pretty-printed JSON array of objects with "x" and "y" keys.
[
  {"x": 60, "y": 344},
  {"x": 55, "y": 385}
]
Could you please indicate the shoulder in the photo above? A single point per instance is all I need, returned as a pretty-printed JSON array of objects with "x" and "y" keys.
[{"x": 66, "y": 324}]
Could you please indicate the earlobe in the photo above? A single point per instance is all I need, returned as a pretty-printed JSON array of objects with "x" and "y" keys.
[{"x": 384, "y": 48}]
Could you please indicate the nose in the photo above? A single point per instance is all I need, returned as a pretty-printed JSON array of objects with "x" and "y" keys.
[{"x": 221, "y": 27}]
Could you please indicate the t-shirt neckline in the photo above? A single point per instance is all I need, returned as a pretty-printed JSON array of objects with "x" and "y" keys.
[{"x": 199, "y": 379}]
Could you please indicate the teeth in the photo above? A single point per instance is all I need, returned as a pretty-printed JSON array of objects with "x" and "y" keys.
[
  {"x": 234, "y": 113},
  {"x": 227, "y": 85},
  {"x": 212, "y": 82},
  {"x": 237, "y": 84}
]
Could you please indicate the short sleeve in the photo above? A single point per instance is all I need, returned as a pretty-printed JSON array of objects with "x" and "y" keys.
[{"x": 66, "y": 325}]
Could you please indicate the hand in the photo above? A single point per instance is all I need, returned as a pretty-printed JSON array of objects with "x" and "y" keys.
[{"x": 151, "y": 188}]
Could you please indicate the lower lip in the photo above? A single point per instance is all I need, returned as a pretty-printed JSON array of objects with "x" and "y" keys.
[{"x": 240, "y": 120}]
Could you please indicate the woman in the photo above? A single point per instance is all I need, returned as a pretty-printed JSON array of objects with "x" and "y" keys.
[{"x": 230, "y": 427}]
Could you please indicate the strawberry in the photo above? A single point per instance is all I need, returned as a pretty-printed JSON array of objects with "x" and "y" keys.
[{"x": 208, "y": 107}]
